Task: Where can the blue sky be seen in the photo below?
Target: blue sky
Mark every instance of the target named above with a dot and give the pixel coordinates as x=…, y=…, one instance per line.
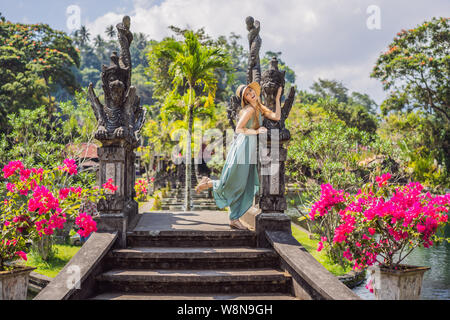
x=318, y=38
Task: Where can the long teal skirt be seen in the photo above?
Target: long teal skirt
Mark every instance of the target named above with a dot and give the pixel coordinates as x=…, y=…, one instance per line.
x=239, y=182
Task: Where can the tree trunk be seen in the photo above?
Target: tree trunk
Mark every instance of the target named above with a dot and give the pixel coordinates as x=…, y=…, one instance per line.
x=187, y=196
x=50, y=105
x=43, y=246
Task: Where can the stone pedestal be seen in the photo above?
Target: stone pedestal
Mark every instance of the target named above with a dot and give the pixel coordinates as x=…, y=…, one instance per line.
x=272, y=178
x=119, y=210
x=270, y=222
x=272, y=201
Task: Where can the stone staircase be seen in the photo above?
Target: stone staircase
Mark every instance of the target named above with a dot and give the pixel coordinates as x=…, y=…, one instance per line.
x=174, y=201
x=193, y=264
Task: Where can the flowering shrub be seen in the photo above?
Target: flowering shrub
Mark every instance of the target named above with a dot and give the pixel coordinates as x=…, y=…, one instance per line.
x=110, y=186
x=141, y=188
x=382, y=223
x=39, y=201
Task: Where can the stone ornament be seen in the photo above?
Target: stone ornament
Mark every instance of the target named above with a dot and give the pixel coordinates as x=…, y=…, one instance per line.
x=271, y=80
x=121, y=117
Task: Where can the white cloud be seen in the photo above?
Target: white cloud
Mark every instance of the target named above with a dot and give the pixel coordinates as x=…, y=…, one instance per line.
x=327, y=39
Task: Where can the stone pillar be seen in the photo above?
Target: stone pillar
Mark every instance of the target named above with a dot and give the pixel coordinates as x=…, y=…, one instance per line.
x=273, y=155
x=272, y=201
x=272, y=178
x=120, y=120
x=119, y=210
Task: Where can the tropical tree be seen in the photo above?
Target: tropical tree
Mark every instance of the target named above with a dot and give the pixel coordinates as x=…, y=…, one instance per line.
x=84, y=35
x=189, y=67
x=36, y=61
x=416, y=69
x=110, y=31
x=416, y=72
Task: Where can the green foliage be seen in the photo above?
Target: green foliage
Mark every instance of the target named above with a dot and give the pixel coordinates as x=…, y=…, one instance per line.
x=78, y=122
x=36, y=61
x=265, y=63
x=34, y=138
x=416, y=69
x=323, y=149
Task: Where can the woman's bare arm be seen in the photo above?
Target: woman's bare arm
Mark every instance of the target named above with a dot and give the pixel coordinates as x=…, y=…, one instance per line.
x=269, y=114
x=245, y=117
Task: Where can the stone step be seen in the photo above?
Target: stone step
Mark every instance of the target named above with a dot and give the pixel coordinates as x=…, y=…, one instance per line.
x=195, y=281
x=193, y=196
x=180, y=204
x=181, y=201
x=148, y=296
x=192, y=238
x=192, y=258
x=194, y=208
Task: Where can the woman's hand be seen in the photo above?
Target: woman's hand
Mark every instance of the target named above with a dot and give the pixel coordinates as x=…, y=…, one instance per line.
x=262, y=130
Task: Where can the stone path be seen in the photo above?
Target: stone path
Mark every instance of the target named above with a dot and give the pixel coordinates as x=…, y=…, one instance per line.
x=195, y=220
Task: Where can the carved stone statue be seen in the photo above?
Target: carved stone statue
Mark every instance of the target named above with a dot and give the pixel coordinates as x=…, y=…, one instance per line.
x=120, y=120
x=271, y=80
x=254, y=41
x=121, y=117
x=253, y=71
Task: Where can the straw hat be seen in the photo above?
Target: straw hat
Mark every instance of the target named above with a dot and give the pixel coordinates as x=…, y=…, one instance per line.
x=241, y=91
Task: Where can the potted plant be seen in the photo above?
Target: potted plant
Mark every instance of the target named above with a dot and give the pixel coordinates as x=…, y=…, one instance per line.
x=380, y=226
x=37, y=203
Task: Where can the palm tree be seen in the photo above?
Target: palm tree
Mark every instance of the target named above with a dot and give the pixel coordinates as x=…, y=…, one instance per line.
x=98, y=41
x=110, y=31
x=84, y=35
x=194, y=64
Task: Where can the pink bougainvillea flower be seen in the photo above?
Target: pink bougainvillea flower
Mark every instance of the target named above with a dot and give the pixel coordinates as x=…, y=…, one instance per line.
x=329, y=198
x=110, y=186
x=70, y=166
x=11, y=187
x=86, y=223
x=320, y=246
x=64, y=193
x=11, y=168
x=25, y=174
x=42, y=200
x=369, y=286
x=383, y=179
x=22, y=254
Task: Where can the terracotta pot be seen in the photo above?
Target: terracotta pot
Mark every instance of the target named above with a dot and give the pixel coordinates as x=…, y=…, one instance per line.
x=14, y=284
x=403, y=283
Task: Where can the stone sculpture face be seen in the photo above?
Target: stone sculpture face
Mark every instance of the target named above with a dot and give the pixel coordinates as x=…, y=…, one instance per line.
x=250, y=23
x=271, y=80
x=117, y=91
x=126, y=22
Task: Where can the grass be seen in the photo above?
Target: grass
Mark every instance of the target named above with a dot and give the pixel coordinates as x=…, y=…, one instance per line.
x=311, y=246
x=52, y=267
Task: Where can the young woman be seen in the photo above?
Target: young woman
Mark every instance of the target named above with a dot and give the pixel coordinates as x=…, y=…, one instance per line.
x=239, y=180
